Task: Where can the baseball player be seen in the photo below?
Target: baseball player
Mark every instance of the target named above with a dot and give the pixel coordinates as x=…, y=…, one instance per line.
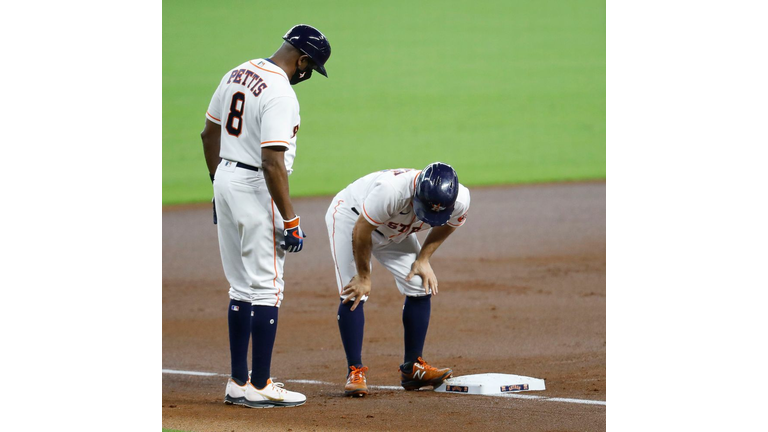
x=377, y=215
x=249, y=142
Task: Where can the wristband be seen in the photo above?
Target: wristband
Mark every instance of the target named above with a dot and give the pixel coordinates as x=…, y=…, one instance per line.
x=293, y=223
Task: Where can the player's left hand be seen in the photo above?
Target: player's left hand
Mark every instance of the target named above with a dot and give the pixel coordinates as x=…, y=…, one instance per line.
x=213, y=201
x=293, y=236
x=428, y=278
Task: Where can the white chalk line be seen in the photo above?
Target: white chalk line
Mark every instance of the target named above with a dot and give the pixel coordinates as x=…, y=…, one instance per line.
x=297, y=381
x=377, y=387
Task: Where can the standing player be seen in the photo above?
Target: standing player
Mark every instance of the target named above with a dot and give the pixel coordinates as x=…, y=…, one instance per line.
x=249, y=142
x=376, y=215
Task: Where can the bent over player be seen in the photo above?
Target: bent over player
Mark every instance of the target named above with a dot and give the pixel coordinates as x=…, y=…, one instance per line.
x=249, y=142
x=377, y=215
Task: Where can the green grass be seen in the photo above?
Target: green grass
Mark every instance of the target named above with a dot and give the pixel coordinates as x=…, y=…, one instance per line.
x=505, y=91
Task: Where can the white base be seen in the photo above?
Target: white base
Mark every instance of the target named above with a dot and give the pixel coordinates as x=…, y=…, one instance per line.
x=490, y=383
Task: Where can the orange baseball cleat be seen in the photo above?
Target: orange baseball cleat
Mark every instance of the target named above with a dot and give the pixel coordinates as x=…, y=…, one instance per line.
x=356, y=382
x=422, y=374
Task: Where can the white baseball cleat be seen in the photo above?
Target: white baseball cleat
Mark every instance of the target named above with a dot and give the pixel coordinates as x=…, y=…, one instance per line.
x=235, y=394
x=272, y=395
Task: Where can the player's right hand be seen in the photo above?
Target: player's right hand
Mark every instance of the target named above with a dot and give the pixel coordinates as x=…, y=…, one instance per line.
x=357, y=288
x=293, y=236
x=423, y=269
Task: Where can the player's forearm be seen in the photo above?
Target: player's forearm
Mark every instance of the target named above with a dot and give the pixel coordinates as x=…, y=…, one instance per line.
x=435, y=238
x=361, y=247
x=276, y=177
x=211, y=137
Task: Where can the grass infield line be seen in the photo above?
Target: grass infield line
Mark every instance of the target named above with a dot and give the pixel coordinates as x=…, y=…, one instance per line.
x=300, y=381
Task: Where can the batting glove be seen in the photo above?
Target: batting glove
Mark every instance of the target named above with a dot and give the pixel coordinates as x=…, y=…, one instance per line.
x=213, y=201
x=215, y=219
x=293, y=236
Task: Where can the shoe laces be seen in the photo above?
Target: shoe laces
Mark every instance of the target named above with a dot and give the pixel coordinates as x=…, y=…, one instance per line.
x=357, y=373
x=279, y=387
x=424, y=363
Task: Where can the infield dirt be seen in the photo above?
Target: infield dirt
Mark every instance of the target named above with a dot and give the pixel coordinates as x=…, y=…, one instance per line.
x=522, y=291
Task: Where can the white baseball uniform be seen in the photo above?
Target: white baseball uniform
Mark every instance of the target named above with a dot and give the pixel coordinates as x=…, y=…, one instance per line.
x=256, y=107
x=384, y=199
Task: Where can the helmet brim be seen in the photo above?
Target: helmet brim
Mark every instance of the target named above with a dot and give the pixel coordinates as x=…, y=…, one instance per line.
x=317, y=67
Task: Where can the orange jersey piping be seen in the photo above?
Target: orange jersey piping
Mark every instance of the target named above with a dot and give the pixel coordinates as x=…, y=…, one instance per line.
x=369, y=216
x=267, y=70
x=274, y=251
x=209, y=115
x=333, y=236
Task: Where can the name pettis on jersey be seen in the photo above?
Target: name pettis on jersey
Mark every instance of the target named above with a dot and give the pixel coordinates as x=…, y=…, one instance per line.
x=256, y=85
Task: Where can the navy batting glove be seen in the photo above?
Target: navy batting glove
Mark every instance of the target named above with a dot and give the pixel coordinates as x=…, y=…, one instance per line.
x=213, y=201
x=293, y=236
x=215, y=219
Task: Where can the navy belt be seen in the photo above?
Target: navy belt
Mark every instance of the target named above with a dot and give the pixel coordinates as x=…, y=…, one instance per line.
x=246, y=166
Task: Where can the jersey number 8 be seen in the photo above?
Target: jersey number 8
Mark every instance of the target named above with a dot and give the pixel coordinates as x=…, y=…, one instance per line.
x=235, y=117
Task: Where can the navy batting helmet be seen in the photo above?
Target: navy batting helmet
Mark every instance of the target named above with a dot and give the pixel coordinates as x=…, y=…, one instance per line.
x=311, y=42
x=435, y=196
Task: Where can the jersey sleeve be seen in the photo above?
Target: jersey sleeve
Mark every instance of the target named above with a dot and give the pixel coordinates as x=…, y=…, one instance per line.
x=380, y=204
x=214, y=108
x=280, y=117
x=459, y=215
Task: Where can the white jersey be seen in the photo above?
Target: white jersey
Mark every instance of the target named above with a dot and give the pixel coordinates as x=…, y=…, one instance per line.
x=256, y=107
x=384, y=198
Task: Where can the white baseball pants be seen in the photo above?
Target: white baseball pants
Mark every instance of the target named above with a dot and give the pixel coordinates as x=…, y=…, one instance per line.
x=395, y=257
x=250, y=230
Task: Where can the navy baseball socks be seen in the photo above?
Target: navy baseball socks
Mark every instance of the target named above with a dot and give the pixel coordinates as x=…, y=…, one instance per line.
x=415, y=372
x=260, y=322
x=416, y=313
x=239, y=318
x=351, y=328
x=263, y=330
